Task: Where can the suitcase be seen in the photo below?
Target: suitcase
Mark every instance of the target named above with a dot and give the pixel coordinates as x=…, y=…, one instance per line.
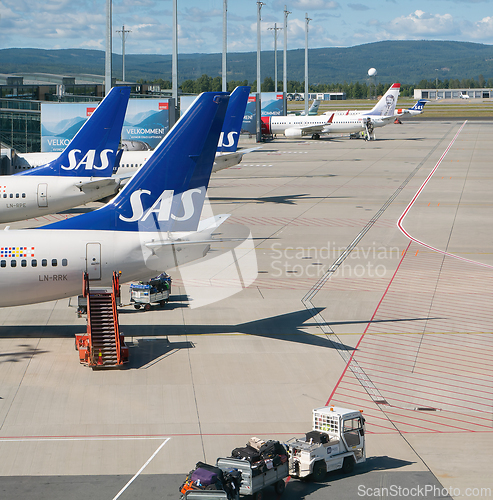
x=272, y=448
x=204, y=477
x=212, y=468
x=258, y=468
x=246, y=453
x=256, y=443
x=317, y=437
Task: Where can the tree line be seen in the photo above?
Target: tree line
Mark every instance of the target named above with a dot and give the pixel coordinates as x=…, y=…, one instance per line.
x=355, y=90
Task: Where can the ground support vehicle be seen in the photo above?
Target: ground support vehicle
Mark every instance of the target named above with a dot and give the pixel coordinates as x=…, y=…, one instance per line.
x=156, y=290
x=254, y=484
x=337, y=441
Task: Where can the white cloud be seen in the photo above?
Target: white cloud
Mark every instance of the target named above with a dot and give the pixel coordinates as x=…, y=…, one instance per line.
x=315, y=5
x=420, y=23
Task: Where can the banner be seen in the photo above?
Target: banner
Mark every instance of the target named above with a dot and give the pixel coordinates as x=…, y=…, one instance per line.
x=146, y=123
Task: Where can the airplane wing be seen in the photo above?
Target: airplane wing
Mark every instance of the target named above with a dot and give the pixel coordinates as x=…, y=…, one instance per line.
x=204, y=229
x=94, y=183
x=311, y=129
x=228, y=159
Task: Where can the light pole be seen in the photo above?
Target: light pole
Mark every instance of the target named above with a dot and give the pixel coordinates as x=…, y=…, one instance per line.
x=285, y=64
x=108, y=55
x=225, y=44
x=307, y=20
x=123, y=32
x=259, y=85
x=275, y=29
x=174, y=58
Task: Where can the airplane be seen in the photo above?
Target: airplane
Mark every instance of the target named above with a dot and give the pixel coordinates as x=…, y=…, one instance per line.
x=381, y=114
x=151, y=224
x=82, y=173
x=311, y=112
x=417, y=109
x=464, y=96
x=227, y=152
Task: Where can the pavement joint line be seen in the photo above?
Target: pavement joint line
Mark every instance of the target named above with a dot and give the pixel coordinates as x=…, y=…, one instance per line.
x=307, y=299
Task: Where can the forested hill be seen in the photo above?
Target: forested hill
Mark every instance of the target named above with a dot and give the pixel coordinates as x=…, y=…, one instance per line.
x=402, y=61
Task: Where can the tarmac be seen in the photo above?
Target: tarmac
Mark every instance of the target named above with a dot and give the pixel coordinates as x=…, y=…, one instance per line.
x=369, y=287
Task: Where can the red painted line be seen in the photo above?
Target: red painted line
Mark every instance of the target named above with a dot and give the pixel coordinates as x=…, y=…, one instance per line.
x=413, y=201
x=366, y=329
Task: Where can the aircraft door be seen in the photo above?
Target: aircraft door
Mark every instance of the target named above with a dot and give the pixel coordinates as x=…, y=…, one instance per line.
x=93, y=260
x=42, y=195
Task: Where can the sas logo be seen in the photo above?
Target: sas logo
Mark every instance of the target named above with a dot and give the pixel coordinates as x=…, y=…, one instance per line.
x=16, y=252
x=88, y=160
x=231, y=140
x=90, y=111
x=162, y=206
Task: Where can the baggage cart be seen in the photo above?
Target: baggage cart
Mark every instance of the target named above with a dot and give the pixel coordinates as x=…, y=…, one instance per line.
x=253, y=485
x=154, y=291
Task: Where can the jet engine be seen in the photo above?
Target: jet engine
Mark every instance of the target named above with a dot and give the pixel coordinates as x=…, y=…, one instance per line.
x=293, y=132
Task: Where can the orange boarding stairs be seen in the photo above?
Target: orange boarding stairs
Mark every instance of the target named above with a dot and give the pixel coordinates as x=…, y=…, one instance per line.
x=103, y=345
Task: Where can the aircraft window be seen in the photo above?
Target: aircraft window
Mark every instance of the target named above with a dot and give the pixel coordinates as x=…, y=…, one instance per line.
x=54, y=262
x=5, y=195
x=64, y=262
x=13, y=263
x=3, y=263
x=23, y=262
x=132, y=165
x=11, y=195
x=34, y=263
x=17, y=195
x=23, y=195
x=44, y=262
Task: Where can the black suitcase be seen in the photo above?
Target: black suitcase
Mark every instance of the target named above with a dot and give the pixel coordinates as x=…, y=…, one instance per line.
x=272, y=448
x=317, y=437
x=246, y=453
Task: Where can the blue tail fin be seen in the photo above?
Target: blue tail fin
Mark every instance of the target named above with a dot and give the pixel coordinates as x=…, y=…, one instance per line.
x=93, y=150
x=228, y=142
x=167, y=193
x=419, y=105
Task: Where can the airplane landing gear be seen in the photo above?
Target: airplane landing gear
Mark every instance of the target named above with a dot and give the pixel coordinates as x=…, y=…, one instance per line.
x=316, y=136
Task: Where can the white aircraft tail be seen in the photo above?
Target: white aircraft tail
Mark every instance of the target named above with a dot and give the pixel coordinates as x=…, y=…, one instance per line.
x=386, y=105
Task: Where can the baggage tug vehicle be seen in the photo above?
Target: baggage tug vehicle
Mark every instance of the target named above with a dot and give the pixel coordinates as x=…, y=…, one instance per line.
x=336, y=441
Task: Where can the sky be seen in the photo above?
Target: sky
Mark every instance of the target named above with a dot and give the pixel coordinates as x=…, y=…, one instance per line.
x=55, y=24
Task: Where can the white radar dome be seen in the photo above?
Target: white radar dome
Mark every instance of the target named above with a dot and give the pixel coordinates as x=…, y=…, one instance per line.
x=372, y=72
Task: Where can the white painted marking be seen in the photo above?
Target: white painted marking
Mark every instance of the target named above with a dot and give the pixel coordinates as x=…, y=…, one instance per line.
x=141, y=469
x=81, y=438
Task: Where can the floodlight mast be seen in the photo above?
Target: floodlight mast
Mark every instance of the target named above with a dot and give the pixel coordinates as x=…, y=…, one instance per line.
x=107, y=65
x=259, y=85
x=225, y=44
x=307, y=20
x=123, y=32
x=285, y=65
x=275, y=29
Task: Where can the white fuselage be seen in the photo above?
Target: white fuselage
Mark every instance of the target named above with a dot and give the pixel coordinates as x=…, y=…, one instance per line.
x=38, y=265
x=130, y=161
x=25, y=196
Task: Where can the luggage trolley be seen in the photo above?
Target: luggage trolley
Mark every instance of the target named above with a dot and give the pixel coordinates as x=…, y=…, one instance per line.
x=156, y=290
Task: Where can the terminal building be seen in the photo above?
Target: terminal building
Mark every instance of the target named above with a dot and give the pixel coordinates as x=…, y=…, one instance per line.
x=21, y=97
x=452, y=93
